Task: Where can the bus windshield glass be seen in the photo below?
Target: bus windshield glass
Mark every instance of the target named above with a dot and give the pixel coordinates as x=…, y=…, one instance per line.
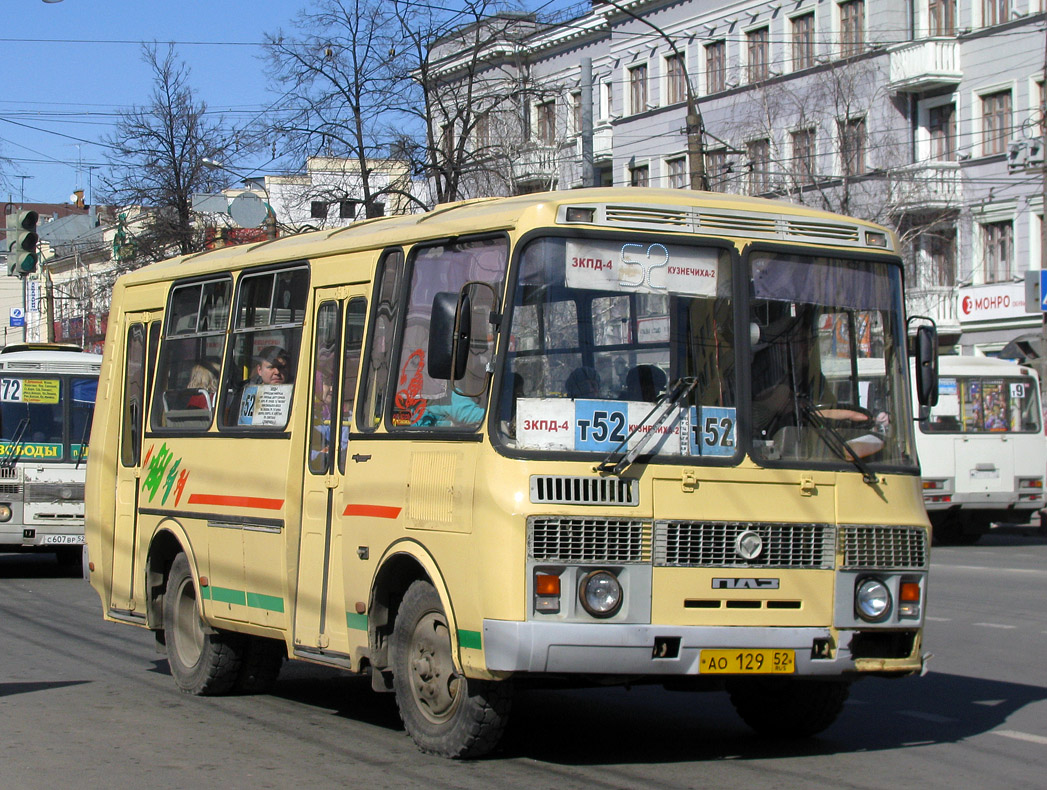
x=983, y=404
x=827, y=365
x=34, y=423
x=618, y=344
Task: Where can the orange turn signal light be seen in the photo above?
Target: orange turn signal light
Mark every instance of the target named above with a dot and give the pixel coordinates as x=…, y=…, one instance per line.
x=910, y=592
x=546, y=584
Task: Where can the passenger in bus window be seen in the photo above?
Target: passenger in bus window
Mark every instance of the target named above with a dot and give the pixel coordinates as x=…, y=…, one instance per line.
x=271, y=366
x=461, y=411
x=203, y=377
x=584, y=382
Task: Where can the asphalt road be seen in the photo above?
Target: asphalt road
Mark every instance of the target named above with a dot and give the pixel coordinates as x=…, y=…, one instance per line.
x=84, y=703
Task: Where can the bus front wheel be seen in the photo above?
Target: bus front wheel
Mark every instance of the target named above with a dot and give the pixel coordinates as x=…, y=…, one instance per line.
x=443, y=711
x=786, y=707
x=203, y=662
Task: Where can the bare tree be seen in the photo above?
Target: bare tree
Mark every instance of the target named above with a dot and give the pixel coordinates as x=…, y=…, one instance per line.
x=340, y=80
x=156, y=161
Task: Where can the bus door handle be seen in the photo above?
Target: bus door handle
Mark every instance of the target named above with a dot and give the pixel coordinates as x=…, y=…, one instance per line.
x=985, y=467
x=361, y=459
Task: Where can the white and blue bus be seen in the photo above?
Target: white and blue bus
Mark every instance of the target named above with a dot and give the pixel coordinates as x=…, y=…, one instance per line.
x=47, y=397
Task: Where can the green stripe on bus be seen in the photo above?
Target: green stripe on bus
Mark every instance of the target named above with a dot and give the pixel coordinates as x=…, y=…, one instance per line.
x=470, y=639
x=271, y=603
x=268, y=602
x=358, y=622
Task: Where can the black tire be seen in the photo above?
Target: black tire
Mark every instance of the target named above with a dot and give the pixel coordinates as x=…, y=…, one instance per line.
x=262, y=659
x=787, y=707
x=444, y=712
x=203, y=662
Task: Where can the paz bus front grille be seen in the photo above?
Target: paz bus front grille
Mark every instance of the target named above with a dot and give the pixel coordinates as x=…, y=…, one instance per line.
x=883, y=547
x=714, y=544
x=576, y=540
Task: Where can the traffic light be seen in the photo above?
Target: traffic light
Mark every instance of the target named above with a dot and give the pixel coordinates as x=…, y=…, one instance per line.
x=21, y=243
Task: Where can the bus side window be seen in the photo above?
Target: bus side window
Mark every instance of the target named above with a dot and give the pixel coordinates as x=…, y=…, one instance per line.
x=134, y=396
x=263, y=357
x=355, y=315
x=322, y=420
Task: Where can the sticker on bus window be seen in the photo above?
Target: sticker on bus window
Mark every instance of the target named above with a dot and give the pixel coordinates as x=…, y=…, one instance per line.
x=712, y=430
x=265, y=404
x=640, y=267
x=1017, y=389
x=29, y=390
x=38, y=451
x=592, y=425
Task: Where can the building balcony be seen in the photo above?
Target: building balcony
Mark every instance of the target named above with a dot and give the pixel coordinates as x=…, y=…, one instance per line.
x=918, y=66
x=536, y=163
x=929, y=186
x=936, y=302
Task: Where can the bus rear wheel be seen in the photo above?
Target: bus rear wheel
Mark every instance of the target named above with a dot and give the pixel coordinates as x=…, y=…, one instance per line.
x=203, y=662
x=787, y=707
x=443, y=711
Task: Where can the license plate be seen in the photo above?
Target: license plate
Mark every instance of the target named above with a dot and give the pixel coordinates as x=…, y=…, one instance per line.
x=748, y=662
x=63, y=540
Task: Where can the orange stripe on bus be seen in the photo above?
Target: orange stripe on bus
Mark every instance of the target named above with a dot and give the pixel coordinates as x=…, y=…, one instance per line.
x=375, y=511
x=255, y=502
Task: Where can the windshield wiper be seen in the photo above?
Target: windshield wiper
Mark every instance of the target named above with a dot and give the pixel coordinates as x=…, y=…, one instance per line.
x=17, y=444
x=83, y=444
x=835, y=442
x=616, y=461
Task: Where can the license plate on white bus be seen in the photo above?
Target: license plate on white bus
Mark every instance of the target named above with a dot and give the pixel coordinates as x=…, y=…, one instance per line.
x=63, y=540
x=748, y=662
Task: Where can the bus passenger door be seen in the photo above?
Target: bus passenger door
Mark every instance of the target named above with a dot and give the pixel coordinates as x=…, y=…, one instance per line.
x=140, y=353
x=320, y=609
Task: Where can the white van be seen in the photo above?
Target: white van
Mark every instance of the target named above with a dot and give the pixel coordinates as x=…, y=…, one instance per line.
x=982, y=449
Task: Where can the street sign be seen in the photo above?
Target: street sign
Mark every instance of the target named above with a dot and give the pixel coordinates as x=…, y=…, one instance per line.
x=17, y=316
x=1043, y=293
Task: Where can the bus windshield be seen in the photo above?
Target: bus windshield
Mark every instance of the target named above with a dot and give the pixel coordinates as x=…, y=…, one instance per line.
x=34, y=424
x=982, y=404
x=605, y=332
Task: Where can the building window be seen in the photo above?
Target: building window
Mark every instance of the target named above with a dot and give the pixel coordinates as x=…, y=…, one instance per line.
x=942, y=17
x=995, y=12
x=941, y=125
x=576, y=113
x=447, y=141
x=852, y=27
x=607, y=100
x=803, y=41
x=998, y=249
x=639, y=176
x=716, y=169
x=638, y=88
x=545, y=122
x=758, y=54
x=941, y=256
x=678, y=175
x=1041, y=89
x=803, y=156
x=346, y=209
x=675, y=80
x=759, y=152
x=716, y=67
x=318, y=209
x=482, y=132
x=852, y=146
x=996, y=122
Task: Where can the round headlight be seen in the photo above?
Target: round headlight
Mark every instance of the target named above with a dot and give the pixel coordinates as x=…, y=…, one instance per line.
x=5, y=512
x=872, y=600
x=601, y=593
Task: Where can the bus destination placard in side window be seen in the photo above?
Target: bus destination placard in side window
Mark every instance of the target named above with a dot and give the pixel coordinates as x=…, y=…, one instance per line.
x=14, y=390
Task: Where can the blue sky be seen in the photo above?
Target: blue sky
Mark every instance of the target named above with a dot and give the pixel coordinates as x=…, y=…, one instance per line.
x=67, y=70
x=70, y=66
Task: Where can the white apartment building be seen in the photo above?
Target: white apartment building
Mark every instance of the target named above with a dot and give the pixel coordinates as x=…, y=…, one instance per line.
x=924, y=115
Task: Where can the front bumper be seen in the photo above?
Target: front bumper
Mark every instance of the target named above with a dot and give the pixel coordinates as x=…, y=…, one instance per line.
x=629, y=649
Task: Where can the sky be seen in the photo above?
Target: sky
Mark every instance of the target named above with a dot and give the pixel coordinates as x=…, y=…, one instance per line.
x=68, y=67
x=71, y=66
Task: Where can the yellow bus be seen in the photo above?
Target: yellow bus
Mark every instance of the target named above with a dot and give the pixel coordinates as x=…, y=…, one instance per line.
x=575, y=437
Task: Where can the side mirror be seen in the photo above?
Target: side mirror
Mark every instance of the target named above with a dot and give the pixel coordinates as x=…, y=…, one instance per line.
x=927, y=366
x=449, y=333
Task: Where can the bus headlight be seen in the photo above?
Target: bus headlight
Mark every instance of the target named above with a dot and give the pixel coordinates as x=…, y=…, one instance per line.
x=872, y=600
x=5, y=513
x=600, y=593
